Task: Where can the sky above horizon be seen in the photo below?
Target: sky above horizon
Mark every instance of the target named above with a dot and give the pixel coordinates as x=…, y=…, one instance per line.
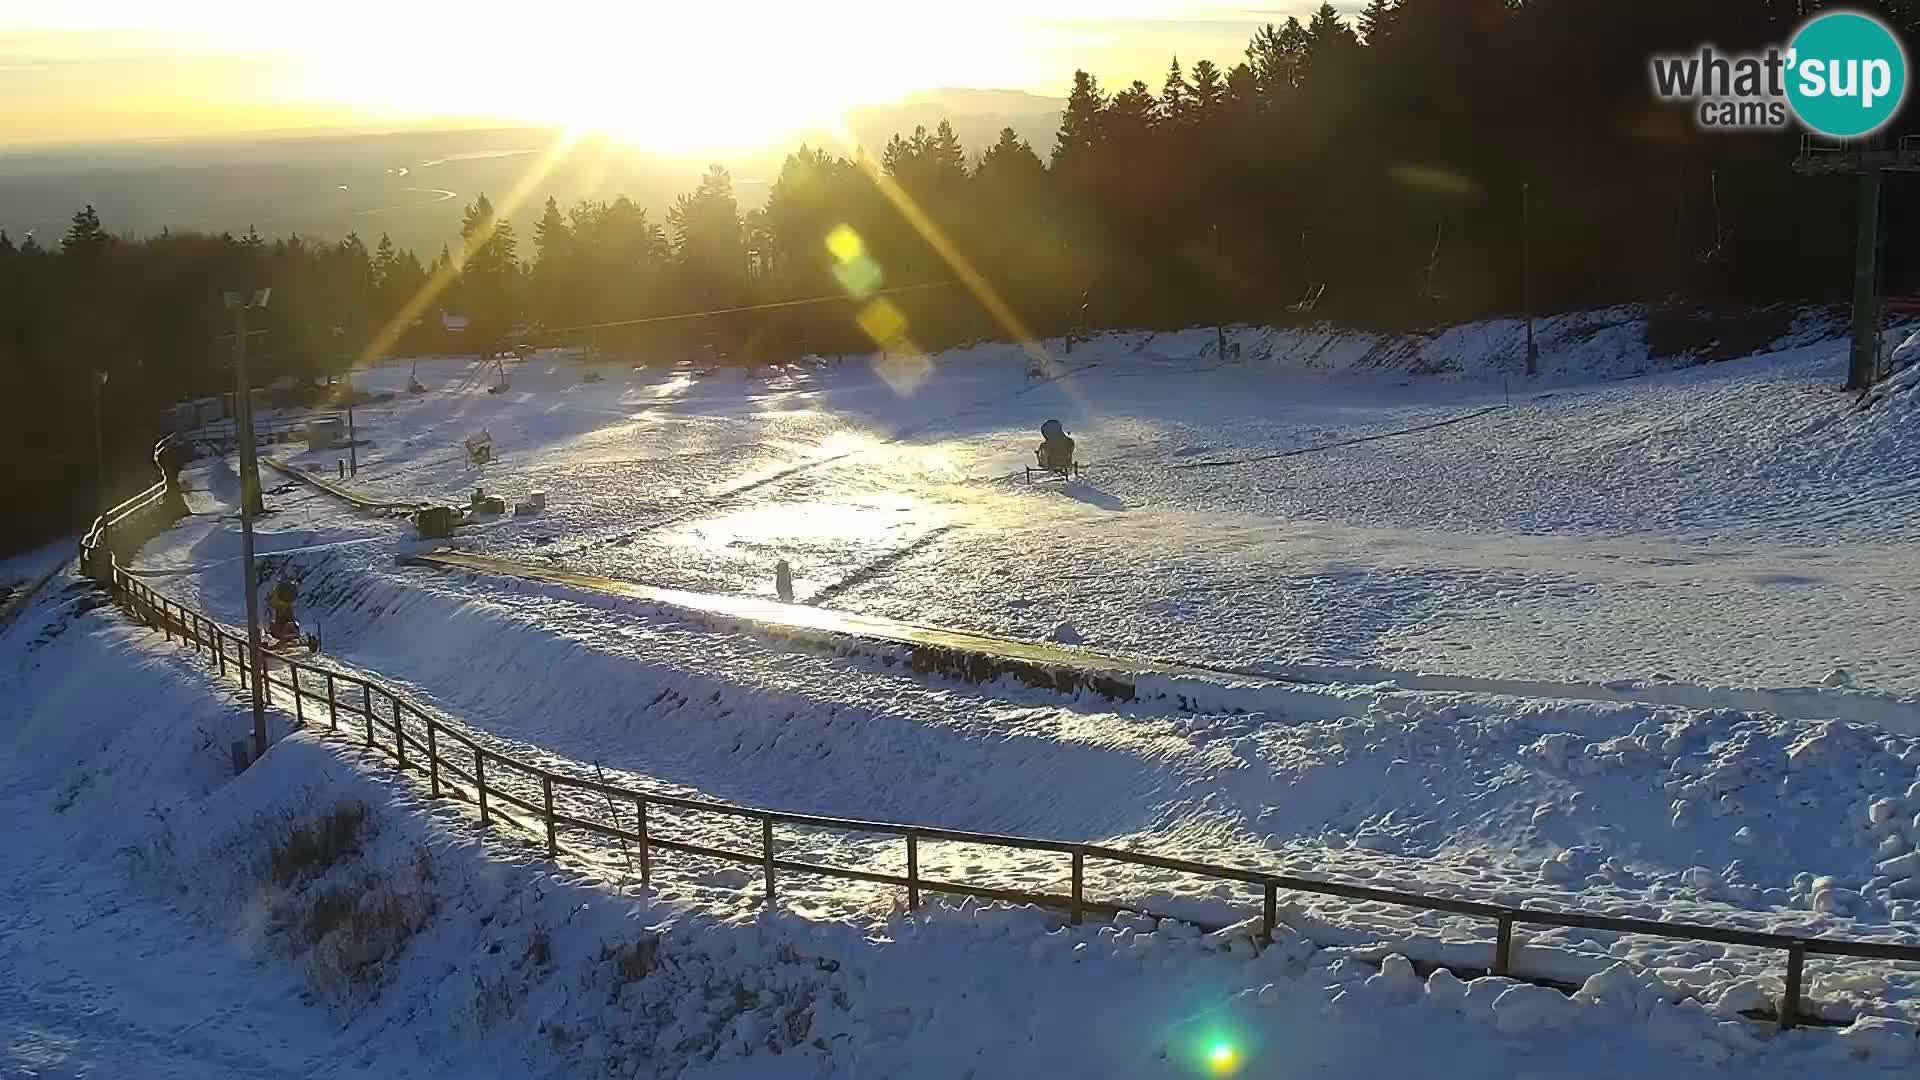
x=727, y=75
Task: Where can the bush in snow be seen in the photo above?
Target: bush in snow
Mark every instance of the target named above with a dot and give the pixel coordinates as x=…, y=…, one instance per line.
x=346, y=917
x=314, y=846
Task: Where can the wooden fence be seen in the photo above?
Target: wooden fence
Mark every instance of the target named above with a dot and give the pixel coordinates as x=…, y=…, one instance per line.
x=358, y=708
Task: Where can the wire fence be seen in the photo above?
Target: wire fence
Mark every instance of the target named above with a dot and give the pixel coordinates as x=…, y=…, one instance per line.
x=536, y=800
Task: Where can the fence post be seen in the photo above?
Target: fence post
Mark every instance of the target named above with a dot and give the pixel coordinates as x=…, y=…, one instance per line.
x=646, y=863
x=1079, y=873
x=546, y=791
x=480, y=781
x=399, y=733
x=366, y=699
x=333, y=706
x=1789, y=1012
x=433, y=761
x=220, y=653
x=913, y=872
x=1503, y=946
x=299, y=707
x=1270, y=912
x=166, y=621
x=766, y=845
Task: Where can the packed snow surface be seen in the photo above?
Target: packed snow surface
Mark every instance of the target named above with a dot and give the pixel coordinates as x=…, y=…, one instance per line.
x=1741, y=523
x=1630, y=645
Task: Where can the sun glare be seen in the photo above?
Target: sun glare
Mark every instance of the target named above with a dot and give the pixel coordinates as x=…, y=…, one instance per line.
x=722, y=78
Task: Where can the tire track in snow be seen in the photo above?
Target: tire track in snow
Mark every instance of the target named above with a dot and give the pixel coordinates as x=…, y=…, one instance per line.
x=1297, y=451
x=727, y=496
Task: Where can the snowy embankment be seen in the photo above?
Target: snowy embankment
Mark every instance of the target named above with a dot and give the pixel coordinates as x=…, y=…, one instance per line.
x=316, y=916
x=23, y=575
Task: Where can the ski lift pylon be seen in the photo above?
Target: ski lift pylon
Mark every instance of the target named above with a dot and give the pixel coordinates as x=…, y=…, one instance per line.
x=1718, y=252
x=1315, y=289
x=1427, y=289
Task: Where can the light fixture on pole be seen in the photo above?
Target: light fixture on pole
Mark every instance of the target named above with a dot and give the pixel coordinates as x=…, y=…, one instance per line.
x=240, y=303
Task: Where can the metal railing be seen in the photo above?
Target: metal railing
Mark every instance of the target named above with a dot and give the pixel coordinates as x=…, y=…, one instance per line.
x=222, y=436
x=379, y=718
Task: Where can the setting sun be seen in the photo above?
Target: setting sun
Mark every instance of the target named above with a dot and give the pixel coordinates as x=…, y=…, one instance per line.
x=637, y=79
x=716, y=78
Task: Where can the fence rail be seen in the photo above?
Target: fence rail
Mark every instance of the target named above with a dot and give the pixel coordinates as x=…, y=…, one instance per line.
x=322, y=694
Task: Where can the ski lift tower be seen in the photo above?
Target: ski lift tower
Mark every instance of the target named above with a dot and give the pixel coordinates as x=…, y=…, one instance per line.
x=1869, y=158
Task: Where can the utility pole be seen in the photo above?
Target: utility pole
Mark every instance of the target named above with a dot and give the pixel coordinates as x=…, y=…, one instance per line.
x=1526, y=274
x=1864, y=365
x=1869, y=157
x=99, y=442
x=353, y=442
x=1220, y=325
x=239, y=304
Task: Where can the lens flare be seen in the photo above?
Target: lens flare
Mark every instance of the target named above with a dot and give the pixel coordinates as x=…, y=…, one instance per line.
x=860, y=277
x=845, y=243
x=886, y=324
x=1222, y=1058
x=1432, y=180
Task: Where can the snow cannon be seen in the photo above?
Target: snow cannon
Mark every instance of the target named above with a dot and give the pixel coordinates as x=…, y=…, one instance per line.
x=282, y=626
x=1054, y=456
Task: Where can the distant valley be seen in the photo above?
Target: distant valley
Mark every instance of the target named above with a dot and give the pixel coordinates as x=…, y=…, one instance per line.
x=413, y=185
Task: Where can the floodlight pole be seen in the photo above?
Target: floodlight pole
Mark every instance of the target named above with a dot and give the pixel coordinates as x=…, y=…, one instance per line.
x=239, y=303
x=1220, y=307
x=99, y=442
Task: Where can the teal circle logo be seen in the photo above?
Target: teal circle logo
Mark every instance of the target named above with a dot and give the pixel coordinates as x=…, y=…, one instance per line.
x=1847, y=74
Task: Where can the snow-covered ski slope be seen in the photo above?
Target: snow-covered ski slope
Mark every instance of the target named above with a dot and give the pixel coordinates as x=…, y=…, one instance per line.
x=889, y=490
x=1739, y=523
x=1686, y=539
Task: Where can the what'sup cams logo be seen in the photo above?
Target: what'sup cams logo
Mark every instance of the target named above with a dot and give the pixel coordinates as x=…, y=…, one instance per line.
x=1843, y=75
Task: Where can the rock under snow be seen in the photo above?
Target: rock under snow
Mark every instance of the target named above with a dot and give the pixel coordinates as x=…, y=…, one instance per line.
x=1882, y=1039
x=1903, y=866
x=1527, y=1007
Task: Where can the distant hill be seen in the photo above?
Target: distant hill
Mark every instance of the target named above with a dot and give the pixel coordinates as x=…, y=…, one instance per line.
x=413, y=184
x=977, y=117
